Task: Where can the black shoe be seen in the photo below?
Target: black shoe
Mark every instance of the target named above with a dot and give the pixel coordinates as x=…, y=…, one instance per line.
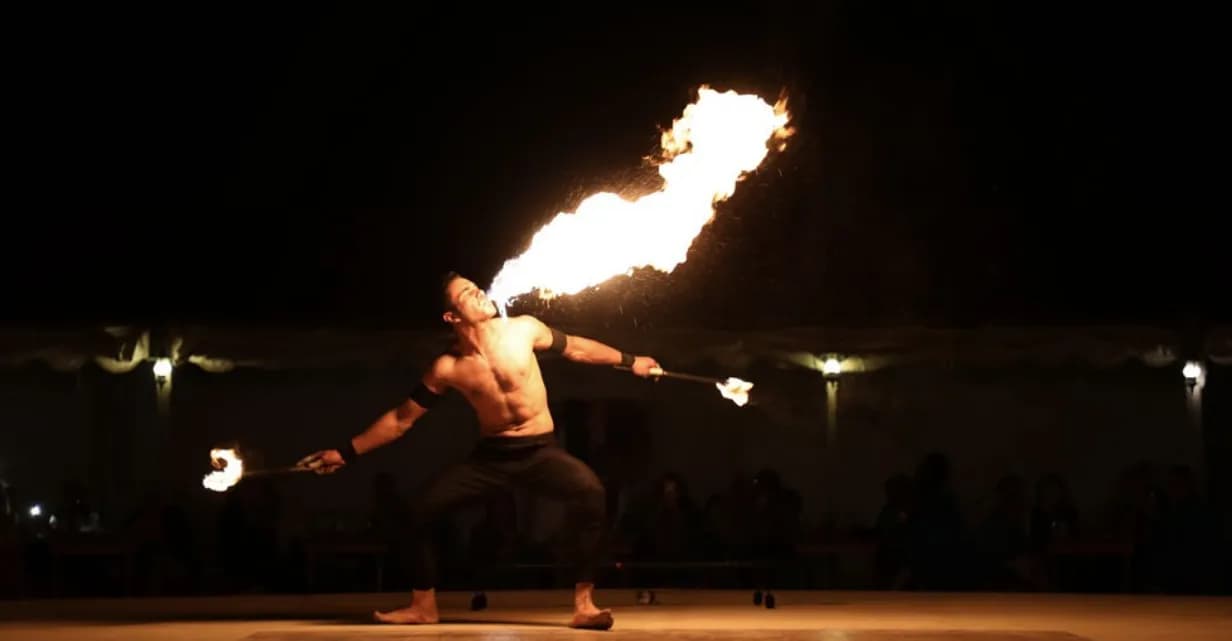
x=770, y=601
x=479, y=601
x=757, y=597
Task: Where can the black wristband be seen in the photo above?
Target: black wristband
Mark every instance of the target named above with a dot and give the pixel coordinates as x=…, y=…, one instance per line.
x=626, y=359
x=559, y=341
x=348, y=452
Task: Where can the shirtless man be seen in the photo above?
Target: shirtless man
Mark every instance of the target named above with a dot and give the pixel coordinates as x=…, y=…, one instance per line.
x=493, y=365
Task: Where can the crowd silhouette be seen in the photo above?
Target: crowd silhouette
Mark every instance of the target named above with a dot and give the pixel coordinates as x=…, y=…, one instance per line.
x=1156, y=533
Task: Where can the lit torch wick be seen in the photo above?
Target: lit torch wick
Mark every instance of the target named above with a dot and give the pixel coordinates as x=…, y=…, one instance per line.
x=735, y=390
x=732, y=389
x=228, y=475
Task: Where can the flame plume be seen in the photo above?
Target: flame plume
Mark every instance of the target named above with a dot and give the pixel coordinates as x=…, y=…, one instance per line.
x=717, y=140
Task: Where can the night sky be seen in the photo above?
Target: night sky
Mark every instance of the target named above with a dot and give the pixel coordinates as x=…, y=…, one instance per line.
x=954, y=164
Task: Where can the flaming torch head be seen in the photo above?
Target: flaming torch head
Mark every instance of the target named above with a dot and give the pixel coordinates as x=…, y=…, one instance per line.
x=232, y=469
x=735, y=390
x=709, y=149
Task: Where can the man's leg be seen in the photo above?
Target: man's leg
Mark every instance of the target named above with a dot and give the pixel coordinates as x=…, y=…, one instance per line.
x=554, y=472
x=458, y=485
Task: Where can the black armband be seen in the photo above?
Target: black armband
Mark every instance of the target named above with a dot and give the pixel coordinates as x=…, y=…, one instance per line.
x=347, y=450
x=558, y=341
x=424, y=396
x=626, y=359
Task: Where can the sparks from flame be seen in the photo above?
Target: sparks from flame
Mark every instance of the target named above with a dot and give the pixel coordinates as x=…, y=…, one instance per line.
x=735, y=390
x=709, y=149
x=229, y=475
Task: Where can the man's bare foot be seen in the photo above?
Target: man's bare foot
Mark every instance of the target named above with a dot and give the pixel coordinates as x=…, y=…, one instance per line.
x=408, y=615
x=595, y=619
x=585, y=614
x=421, y=610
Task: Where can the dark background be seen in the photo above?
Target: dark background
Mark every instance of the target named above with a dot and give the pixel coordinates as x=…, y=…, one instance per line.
x=956, y=163
x=271, y=168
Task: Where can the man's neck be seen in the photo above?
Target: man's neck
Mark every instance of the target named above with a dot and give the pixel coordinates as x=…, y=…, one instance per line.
x=472, y=337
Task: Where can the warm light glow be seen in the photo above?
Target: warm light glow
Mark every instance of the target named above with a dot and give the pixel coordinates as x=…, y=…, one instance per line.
x=709, y=149
x=162, y=368
x=229, y=475
x=36, y=510
x=1192, y=371
x=735, y=390
x=831, y=367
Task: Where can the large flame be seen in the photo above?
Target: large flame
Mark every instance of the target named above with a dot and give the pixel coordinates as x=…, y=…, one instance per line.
x=229, y=475
x=719, y=138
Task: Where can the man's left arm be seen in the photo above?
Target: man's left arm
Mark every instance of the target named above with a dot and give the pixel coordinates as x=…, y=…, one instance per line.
x=580, y=349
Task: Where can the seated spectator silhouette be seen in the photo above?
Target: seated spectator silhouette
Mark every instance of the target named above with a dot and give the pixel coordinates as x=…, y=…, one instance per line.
x=775, y=516
x=1188, y=537
x=1054, y=519
x=936, y=559
x=892, y=531
x=671, y=529
x=1003, y=539
x=725, y=522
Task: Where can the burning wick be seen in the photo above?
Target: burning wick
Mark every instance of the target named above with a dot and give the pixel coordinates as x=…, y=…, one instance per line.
x=735, y=390
x=732, y=389
x=232, y=469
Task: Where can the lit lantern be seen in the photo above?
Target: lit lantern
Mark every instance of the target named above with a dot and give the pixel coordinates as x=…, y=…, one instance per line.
x=162, y=370
x=831, y=368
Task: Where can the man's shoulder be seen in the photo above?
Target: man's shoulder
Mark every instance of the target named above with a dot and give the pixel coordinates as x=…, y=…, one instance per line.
x=445, y=359
x=527, y=320
x=440, y=369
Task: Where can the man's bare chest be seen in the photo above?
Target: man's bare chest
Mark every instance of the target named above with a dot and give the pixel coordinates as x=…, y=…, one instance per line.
x=499, y=368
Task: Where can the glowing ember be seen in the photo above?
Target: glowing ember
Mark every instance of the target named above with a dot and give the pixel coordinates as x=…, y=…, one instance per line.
x=719, y=138
x=229, y=475
x=736, y=390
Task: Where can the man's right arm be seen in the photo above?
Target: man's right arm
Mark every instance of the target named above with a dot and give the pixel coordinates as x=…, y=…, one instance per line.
x=393, y=424
x=387, y=428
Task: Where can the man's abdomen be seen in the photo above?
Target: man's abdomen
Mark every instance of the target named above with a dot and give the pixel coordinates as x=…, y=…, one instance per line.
x=540, y=423
x=520, y=411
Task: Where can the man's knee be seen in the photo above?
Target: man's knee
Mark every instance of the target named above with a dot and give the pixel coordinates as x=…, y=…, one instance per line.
x=592, y=496
x=424, y=514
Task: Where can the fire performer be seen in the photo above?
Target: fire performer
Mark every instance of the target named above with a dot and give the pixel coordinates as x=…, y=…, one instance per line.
x=493, y=365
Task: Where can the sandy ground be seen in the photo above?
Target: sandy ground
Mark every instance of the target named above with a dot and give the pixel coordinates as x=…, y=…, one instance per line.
x=683, y=615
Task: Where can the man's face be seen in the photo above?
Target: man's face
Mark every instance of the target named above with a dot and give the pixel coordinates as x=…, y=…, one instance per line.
x=470, y=303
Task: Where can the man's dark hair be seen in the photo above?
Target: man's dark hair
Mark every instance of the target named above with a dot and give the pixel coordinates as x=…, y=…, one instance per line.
x=446, y=303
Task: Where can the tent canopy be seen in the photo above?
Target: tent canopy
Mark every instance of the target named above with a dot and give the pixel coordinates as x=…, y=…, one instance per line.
x=121, y=349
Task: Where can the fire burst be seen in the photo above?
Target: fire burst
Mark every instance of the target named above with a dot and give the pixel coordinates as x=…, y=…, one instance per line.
x=229, y=475
x=709, y=149
x=735, y=390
